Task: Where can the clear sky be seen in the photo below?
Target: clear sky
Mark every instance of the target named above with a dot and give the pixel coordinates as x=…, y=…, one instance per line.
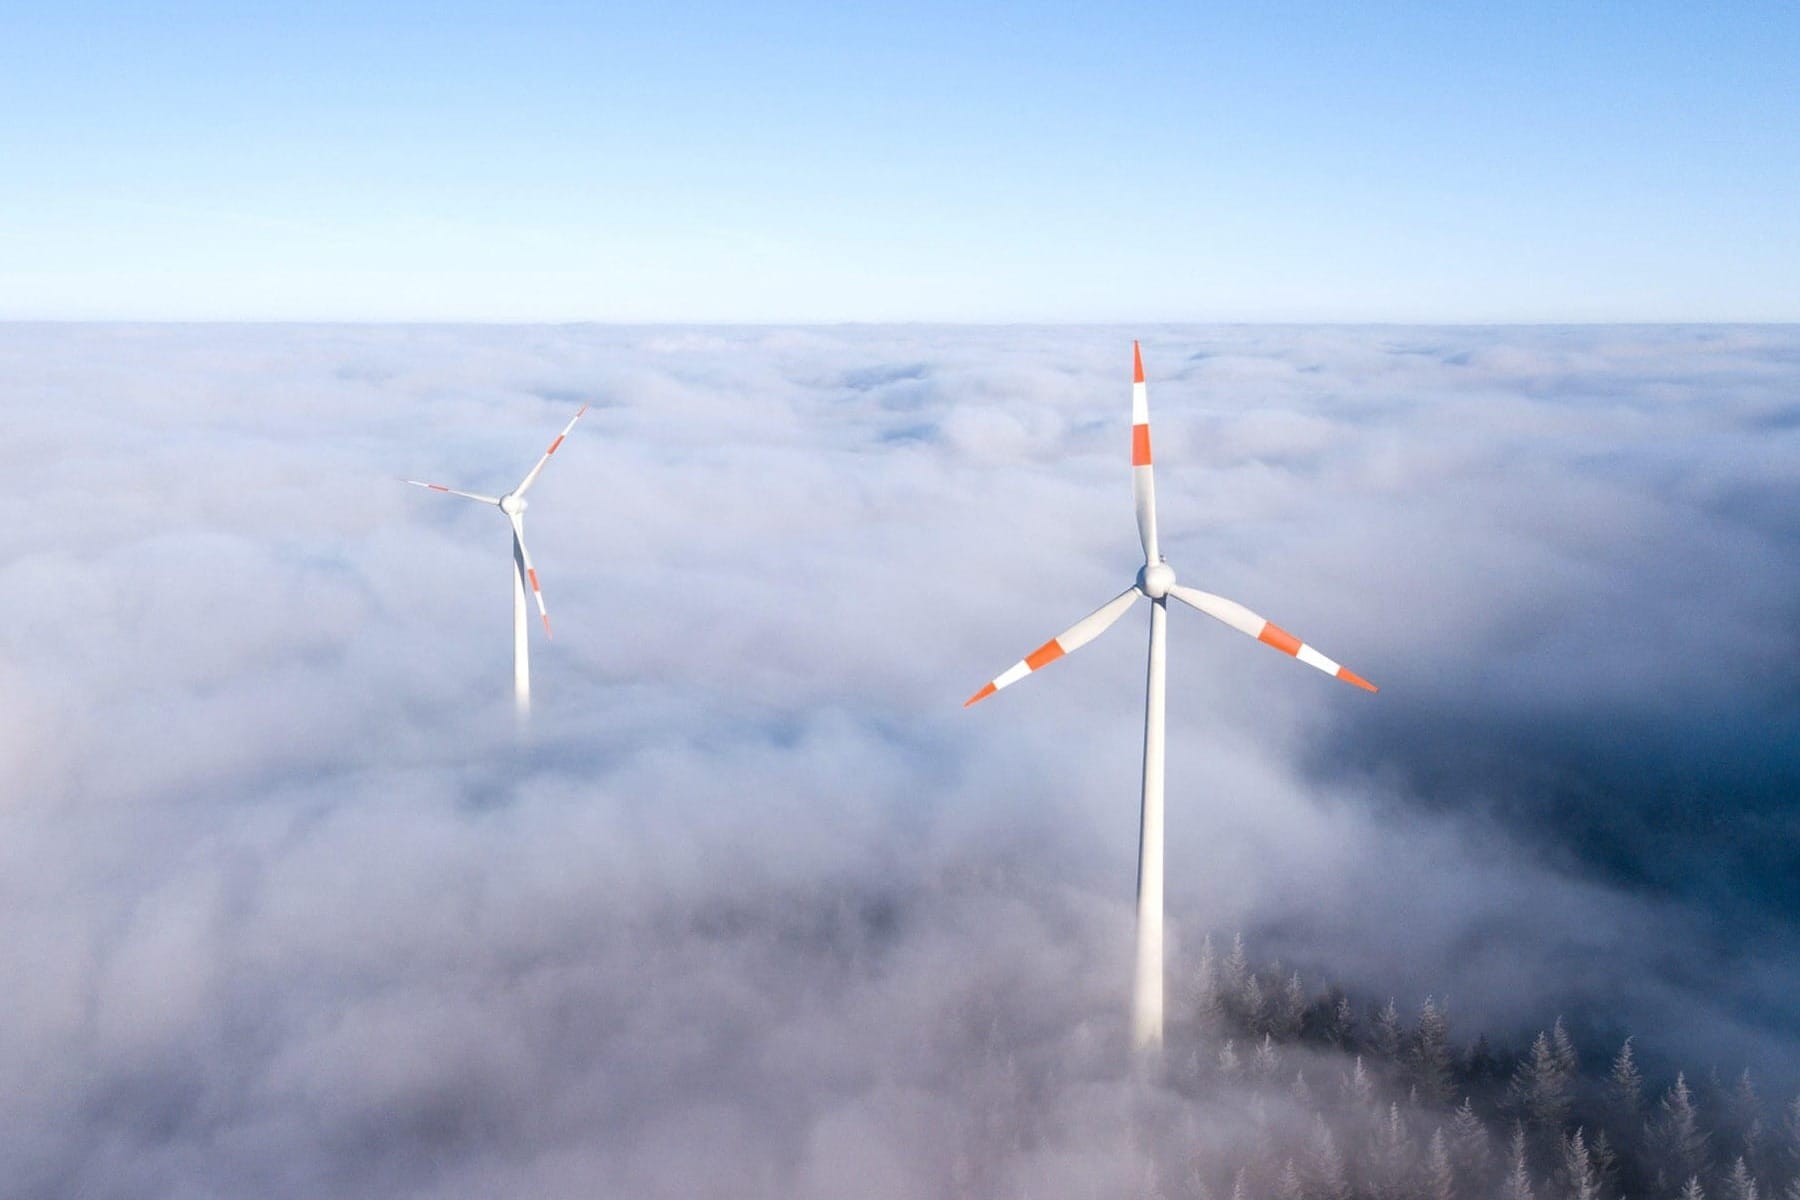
x=926, y=161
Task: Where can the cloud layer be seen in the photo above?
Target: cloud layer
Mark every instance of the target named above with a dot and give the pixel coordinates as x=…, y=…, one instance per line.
x=757, y=909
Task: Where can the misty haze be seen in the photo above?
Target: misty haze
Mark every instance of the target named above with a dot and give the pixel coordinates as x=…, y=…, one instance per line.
x=757, y=909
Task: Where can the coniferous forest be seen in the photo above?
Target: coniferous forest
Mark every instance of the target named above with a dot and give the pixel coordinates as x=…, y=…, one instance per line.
x=1347, y=1100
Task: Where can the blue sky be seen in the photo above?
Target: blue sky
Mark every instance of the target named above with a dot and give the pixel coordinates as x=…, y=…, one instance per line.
x=801, y=162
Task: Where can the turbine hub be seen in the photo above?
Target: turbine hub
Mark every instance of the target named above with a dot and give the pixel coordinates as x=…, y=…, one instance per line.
x=512, y=505
x=1155, y=579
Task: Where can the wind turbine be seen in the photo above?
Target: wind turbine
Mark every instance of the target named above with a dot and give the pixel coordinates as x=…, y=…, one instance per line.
x=1156, y=580
x=513, y=505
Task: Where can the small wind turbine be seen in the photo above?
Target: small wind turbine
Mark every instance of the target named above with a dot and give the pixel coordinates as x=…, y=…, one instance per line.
x=1156, y=579
x=513, y=505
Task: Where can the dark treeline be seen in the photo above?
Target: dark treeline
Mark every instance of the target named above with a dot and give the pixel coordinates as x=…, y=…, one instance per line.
x=1345, y=1101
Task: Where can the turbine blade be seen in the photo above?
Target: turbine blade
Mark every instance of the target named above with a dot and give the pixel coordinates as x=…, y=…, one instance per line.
x=438, y=487
x=1067, y=642
x=1265, y=631
x=1143, y=478
x=531, y=477
x=529, y=571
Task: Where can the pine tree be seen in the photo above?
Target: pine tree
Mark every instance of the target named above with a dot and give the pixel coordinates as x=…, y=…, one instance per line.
x=1253, y=1006
x=1359, y=1089
x=1290, y=1009
x=1391, y=1157
x=1679, y=1141
x=1229, y=1066
x=1430, y=1057
x=1301, y=1091
x=1386, y=1037
x=1470, y=1147
x=1606, y=1162
x=1206, y=984
x=1266, y=1062
x=1287, y=1184
x=1691, y=1190
x=1440, y=1172
x=1567, y=1061
x=1518, y=1179
x=1540, y=1089
x=1740, y=1184
x=1330, y=1178
x=1625, y=1087
x=1342, y=1030
x=1583, y=1181
x=1481, y=1066
x=1790, y=1139
x=1743, y=1115
x=1235, y=973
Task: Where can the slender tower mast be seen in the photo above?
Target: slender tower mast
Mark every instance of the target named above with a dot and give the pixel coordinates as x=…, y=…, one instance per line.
x=1155, y=581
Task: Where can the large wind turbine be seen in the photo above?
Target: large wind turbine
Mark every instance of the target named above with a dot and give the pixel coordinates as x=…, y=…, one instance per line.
x=513, y=505
x=1156, y=580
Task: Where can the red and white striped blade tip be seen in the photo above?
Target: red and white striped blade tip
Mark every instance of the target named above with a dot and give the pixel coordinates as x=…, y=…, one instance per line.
x=1137, y=363
x=1274, y=635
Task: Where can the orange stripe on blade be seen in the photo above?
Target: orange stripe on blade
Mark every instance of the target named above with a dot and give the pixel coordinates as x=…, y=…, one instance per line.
x=1140, y=445
x=437, y=487
x=1137, y=363
x=983, y=694
x=1045, y=654
x=1349, y=676
x=534, y=584
x=1279, y=638
x=555, y=444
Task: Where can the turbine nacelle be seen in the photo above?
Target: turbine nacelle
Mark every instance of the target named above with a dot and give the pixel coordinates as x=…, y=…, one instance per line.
x=512, y=504
x=1155, y=579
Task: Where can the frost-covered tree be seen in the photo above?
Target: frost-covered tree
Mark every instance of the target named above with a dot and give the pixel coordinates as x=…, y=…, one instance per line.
x=1471, y=1148
x=1328, y=1178
x=1740, y=1184
x=1786, y=1153
x=1229, y=1065
x=1743, y=1117
x=1206, y=998
x=1567, y=1061
x=1580, y=1178
x=1691, y=1190
x=1440, y=1170
x=1340, y=1030
x=1541, y=1087
x=1606, y=1162
x=1359, y=1089
x=1287, y=1184
x=1265, y=1063
x=1386, y=1037
x=1391, y=1157
x=1429, y=1060
x=1625, y=1087
x=1518, y=1178
x=1235, y=972
x=1253, y=1006
x=1677, y=1139
x=1301, y=1091
x=1289, y=1009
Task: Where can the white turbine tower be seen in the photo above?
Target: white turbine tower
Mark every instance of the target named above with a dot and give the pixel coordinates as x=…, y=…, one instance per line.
x=513, y=505
x=1155, y=580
